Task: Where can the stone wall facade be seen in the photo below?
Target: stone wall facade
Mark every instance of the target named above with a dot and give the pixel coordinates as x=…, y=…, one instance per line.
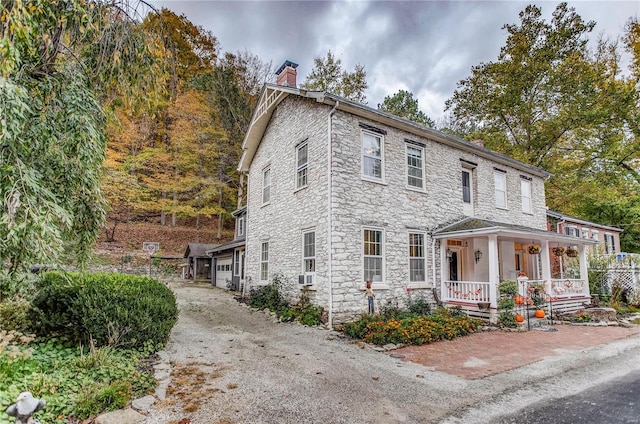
x=358, y=204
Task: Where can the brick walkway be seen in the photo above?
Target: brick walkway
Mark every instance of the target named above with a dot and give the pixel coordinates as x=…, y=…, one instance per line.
x=491, y=352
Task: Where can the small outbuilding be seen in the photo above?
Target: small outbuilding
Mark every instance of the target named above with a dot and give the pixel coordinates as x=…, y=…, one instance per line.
x=199, y=264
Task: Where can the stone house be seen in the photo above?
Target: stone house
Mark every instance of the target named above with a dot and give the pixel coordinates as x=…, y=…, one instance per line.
x=339, y=193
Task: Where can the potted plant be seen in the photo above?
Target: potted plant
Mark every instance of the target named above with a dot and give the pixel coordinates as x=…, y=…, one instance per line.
x=571, y=252
x=534, y=249
x=558, y=251
x=538, y=300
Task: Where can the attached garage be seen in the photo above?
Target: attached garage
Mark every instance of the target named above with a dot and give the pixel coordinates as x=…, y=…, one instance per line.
x=224, y=271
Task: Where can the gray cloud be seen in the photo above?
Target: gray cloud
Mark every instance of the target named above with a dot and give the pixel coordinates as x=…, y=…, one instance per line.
x=425, y=47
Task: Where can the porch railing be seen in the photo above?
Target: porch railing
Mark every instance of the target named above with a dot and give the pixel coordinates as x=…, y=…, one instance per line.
x=479, y=291
x=466, y=291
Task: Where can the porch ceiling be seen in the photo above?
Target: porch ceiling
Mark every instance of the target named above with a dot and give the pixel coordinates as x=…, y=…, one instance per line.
x=474, y=227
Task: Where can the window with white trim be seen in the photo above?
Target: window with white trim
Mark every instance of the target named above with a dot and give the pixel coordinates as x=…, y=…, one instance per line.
x=302, y=165
x=309, y=251
x=415, y=167
x=500, y=181
x=416, y=258
x=264, y=261
x=571, y=230
x=525, y=190
x=466, y=186
x=585, y=233
x=266, y=186
x=236, y=263
x=372, y=156
x=609, y=244
x=373, y=263
x=595, y=235
x=240, y=226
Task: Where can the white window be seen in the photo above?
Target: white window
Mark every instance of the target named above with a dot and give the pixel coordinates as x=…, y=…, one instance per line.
x=500, y=179
x=240, y=226
x=302, y=165
x=416, y=258
x=236, y=263
x=585, y=233
x=609, y=244
x=525, y=188
x=309, y=251
x=571, y=230
x=264, y=261
x=595, y=235
x=373, y=255
x=266, y=186
x=415, y=167
x=466, y=186
x=372, y=156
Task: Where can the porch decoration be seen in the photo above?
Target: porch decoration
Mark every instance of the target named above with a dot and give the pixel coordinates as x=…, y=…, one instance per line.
x=534, y=249
x=538, y=299
x=519, y=318
x=558, y=251
x=571, y=252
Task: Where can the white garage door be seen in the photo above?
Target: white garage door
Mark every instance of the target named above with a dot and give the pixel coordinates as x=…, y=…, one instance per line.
x=223, y=271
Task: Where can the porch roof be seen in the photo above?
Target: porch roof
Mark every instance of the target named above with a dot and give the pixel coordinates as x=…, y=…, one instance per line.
x=223, y=248
x=473, y=227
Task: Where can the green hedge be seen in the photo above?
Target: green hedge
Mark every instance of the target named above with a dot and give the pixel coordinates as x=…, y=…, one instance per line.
x=111, y=309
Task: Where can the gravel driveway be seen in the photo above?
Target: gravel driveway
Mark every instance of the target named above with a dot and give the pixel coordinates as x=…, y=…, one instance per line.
x=231, y=364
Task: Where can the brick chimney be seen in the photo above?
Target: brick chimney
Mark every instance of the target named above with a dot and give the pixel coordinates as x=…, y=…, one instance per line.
x=287, y=74
x=479, y=143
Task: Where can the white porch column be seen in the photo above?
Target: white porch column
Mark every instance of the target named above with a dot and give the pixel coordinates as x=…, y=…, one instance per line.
x=546, y=261
x=444, y=293
x=584, y=271
x=494, y=270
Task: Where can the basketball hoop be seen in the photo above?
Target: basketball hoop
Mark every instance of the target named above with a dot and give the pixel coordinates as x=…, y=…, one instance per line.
x=150, y=247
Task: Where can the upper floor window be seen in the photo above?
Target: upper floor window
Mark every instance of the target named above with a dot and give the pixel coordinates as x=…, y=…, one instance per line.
x=266, y=185
x=302, y=165
x=240, y=226
x=585, y=233
x=415, y=166
x=571, y=231
x=500, y=180
x=264, y=261
x=372, y=245
x=466, y=186
x=309, y=251
x=416, y=258
x=372, y=156
x=595, y=235
x=525, y=189
x=609, y=244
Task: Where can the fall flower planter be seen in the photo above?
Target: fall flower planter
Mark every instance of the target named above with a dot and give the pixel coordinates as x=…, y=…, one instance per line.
x=533, y=249
x=558, y=251
x=571, y=252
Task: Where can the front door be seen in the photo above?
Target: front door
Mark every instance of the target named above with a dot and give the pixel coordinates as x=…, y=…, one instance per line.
x=454, y=265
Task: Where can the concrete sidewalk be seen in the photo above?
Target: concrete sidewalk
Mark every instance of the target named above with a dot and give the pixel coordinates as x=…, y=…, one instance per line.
x=491, y=352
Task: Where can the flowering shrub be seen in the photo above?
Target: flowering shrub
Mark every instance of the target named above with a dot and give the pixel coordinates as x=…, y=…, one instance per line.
x=441, y=325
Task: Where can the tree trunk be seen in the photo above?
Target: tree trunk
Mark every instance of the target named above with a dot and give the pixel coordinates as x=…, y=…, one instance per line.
x=163, y=214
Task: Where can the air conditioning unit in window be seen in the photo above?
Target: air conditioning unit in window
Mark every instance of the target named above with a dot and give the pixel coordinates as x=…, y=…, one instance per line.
x=307, y=279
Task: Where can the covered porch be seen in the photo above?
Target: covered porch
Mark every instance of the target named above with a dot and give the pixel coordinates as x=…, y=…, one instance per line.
x=476, y=255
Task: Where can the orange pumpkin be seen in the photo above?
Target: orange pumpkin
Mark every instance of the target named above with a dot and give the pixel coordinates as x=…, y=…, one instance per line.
x=539, y=313
x=519, y=300
x=519, y=318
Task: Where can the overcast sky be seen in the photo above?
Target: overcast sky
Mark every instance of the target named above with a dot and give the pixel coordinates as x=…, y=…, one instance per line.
x=424, y=47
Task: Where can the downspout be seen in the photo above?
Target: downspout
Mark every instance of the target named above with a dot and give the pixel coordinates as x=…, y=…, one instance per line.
x=329, y=213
